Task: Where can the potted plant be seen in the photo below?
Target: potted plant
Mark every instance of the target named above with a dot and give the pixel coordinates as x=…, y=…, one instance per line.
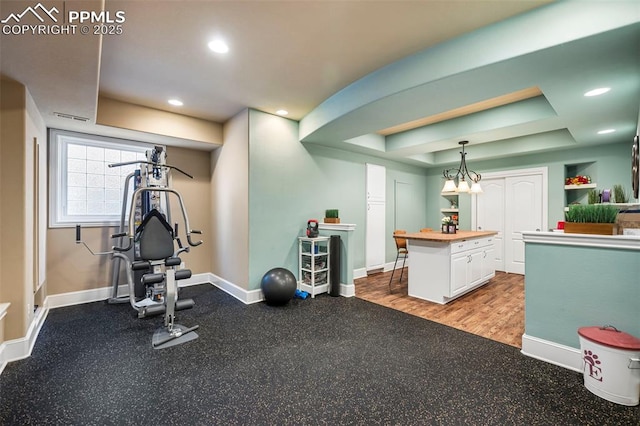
x=591, y=219
x=448, y=225
x=331, y=216
x=619, y=194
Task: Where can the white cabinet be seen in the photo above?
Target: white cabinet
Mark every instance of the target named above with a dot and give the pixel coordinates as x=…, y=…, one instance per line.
x=375, y=250
x=471, y=265
x=376, y=183
x=313, y=268
x=375, y=233
x=439, y=271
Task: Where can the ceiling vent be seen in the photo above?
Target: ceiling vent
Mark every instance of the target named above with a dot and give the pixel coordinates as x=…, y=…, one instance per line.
x=70, y=117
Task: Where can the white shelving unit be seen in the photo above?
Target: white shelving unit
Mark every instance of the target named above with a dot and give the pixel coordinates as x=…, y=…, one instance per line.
x=451, y=198
x=313, y=268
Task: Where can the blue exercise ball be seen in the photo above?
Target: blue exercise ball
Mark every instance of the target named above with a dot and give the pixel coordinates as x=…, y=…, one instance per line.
x=278, y=286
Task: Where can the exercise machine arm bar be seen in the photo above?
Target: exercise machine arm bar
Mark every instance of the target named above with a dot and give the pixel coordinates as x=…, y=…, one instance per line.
x=126, y=163
x=79, y=241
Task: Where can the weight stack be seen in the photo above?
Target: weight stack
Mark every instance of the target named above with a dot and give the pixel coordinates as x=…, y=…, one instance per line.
x=334, y=267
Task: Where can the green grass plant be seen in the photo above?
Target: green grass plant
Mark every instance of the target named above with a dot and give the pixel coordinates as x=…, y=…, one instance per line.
x=619, y=194
x=591, y=213
x=332, y=213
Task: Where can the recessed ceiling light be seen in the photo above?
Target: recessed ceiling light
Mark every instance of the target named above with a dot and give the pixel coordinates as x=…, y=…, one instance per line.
x=605, y=131
x=218, y=46
x=282, y=112
x=175, y=102
x=599, y=91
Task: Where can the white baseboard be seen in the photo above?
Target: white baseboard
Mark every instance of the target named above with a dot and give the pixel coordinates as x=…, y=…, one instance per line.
x=245, y=296
x=254, y=296
x=362, y=272
x=104, y=293
x=551, y=352
x=347, y=290
x=13, y=350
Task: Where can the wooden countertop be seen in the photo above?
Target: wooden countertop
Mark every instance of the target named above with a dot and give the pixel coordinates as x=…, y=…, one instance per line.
x=446, y=238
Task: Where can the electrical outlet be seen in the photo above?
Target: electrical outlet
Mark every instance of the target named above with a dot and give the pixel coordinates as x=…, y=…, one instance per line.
x=183, y=265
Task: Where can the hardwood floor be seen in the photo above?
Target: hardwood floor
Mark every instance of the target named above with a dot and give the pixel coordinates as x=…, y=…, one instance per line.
x=494, y=311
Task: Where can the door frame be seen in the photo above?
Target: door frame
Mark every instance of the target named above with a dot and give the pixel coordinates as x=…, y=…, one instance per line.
x=543, y=171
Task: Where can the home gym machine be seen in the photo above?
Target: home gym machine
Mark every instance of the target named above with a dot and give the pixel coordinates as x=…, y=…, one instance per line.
x=146, y=245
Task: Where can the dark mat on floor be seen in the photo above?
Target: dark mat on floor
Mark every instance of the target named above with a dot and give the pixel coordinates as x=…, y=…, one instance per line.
x=323, y=361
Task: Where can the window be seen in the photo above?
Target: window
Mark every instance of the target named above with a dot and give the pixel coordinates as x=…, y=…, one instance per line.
x=83, y=188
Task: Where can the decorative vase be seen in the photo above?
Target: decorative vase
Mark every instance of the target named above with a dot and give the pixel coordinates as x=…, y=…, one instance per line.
x=331, y=220
x=590, y=228
x=452, y=229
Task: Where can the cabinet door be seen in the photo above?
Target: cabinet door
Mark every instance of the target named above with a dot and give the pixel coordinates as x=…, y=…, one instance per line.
x=459, y=273
x=375, y=235
x=376, y=183
x=488, y=264
x=475, y=267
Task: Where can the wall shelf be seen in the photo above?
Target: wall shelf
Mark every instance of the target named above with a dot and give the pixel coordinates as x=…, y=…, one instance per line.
x=583, y=186
x=620, y=206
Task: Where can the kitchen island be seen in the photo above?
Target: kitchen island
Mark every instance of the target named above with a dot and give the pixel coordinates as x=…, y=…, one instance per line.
x=445, y=266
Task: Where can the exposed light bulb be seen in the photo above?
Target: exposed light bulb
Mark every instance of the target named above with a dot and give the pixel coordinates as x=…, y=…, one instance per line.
x=175, y=102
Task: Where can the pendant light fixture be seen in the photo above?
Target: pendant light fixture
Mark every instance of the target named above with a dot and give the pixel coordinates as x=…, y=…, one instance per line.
x=463, y=175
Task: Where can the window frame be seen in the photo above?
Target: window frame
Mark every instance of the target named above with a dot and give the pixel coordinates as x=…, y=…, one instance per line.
x=58, y=189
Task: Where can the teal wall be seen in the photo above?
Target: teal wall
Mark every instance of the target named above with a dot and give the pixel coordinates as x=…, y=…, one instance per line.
x=291, y=182
x=612, y=165
x=568, y=287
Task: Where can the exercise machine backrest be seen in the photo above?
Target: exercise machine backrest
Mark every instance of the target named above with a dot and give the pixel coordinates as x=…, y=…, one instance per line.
x=155, y=237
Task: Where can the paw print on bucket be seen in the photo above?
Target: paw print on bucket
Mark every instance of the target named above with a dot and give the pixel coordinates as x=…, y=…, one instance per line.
x=591, y=361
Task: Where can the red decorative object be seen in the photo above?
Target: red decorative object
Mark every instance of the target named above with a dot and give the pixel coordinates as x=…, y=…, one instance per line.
x=577, y=180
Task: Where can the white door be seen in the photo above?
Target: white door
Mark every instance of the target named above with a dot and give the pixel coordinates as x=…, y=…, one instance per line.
x=512, y=202
x=523, y=198
x=490, y=215
x=375, y=224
